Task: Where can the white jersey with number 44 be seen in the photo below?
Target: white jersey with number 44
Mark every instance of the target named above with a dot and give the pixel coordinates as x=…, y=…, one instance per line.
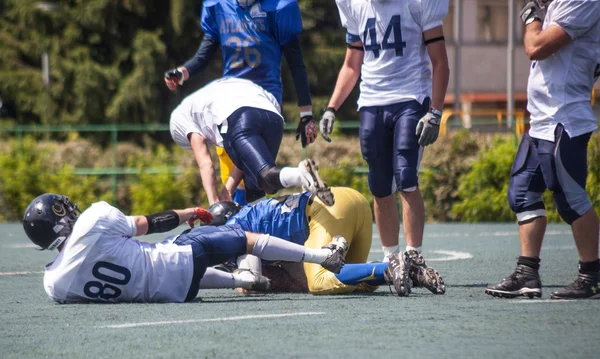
x=101, y=262
x=396, y=66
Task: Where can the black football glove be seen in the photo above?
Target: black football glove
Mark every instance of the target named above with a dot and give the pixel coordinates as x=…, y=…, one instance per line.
x=306, y=130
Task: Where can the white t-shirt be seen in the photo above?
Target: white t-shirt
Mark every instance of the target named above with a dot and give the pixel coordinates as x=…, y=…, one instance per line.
x=560, y=86
x=101, y=262
x=204, y=110
x=396, y=65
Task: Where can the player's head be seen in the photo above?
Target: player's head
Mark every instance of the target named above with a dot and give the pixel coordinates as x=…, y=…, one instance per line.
x=222, y=211
x=49, y=219
x=246, y=3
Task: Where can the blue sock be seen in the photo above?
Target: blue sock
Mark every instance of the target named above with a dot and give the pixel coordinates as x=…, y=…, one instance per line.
x=239, y=197
x=354, y=274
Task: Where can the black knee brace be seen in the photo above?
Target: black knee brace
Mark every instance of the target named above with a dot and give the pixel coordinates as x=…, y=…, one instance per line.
x=268, y=180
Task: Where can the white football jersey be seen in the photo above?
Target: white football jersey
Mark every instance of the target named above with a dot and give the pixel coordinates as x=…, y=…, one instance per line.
x=101, y=262
x=209, y=107
x=560, y=86
x=396, y=65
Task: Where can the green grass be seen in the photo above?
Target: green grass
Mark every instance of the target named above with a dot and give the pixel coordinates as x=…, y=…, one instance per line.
x=463, y=323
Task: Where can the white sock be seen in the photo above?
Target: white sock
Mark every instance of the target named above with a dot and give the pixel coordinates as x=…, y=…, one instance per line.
x=250, y=262
x=316, y=255
x=215, y=279
x=411, y=248
x=244, y=280
x=388, y=251
x=290, y=177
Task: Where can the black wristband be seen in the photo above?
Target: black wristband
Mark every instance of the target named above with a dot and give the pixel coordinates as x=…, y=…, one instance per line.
x=162, y=222
x=331, y=109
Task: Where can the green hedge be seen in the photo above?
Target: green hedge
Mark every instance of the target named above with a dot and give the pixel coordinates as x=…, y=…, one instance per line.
x=464, y=176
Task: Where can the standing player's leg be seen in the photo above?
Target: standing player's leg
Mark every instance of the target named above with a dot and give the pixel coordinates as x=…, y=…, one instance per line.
x=525, y=191
x=376, y=146
x=252, y=141
x=406, y=160
x=567, y=183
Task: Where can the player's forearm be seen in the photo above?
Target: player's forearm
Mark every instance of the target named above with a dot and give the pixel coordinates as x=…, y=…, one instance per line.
x=205, y=52
x=344, y=85
x=234, y=179
x=540, y=44
x=162, y=221
x=293, y=56
x=209, y=183
x=441, y=77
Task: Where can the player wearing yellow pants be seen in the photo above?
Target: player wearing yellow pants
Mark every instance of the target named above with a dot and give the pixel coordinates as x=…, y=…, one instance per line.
x=304, y=219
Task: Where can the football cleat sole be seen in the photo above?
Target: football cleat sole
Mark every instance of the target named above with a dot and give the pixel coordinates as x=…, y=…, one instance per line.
x=525, y=292
x=310, y=172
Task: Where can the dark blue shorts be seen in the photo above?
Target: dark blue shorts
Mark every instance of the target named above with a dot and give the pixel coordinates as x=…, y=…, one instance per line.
x=560, y=166
x=389, y=144
x=211, y=246
x=252, y=142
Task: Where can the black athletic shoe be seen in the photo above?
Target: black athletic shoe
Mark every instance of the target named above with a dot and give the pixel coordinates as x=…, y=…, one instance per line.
x=335, y=261
x=524, y=281
x=397, y=273
x=424, y=276
x=586, y=286
x=227, y=266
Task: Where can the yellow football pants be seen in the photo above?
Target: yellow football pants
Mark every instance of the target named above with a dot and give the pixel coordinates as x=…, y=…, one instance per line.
x=349, y=217
x=226, y=165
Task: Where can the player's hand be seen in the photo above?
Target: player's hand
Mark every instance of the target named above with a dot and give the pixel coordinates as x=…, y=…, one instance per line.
x=532, y=12
x=428, y=129
x=306, y=130
x=173, y=78
x=201, y=214
x=225, y=195
x=326, y=123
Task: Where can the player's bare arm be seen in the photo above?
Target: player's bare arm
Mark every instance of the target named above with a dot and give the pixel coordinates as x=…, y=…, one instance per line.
x=348, y=76
x=233, y=181
x=541, y=44
x=436, y=48
x=207, y=170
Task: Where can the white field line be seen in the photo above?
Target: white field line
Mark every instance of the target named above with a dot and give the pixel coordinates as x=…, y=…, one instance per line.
x=222, y=319
x=24, y=245
x=534, y=301
x=19, y=273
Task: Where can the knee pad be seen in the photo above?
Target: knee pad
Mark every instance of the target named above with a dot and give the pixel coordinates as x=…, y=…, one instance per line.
x=572, y=207
x=526, y=208
x=268, y=180
x=406, y=179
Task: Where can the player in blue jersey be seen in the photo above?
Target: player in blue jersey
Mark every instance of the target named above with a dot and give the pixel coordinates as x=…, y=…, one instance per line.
x=304, y=219
x=253, y=35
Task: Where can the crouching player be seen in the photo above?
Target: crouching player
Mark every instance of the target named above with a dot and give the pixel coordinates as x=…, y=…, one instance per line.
x=246, y=121
x=98, y=260
x=305, y=220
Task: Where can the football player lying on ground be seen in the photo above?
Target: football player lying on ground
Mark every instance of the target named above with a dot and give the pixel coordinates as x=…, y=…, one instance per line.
x=246, y=121
x=304, y=219
x=98, y=260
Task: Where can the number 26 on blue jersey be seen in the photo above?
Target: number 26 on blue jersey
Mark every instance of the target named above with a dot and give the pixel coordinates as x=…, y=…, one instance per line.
x=370, y=37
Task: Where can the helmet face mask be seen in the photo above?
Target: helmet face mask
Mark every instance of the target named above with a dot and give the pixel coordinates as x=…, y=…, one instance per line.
x=223, y=211
x=49, y=219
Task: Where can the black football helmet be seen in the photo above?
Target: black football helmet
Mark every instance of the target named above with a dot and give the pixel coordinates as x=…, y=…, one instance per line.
x=49, y=220
x=222, y=211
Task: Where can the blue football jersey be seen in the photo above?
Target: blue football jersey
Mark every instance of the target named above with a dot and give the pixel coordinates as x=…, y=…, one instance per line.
x=251, y=38
x=283, y=217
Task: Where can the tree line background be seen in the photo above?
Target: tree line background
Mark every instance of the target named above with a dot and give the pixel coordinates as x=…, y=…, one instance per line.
x=107, y=59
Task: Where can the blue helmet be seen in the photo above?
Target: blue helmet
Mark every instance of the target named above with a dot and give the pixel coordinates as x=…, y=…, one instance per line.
x=49, y=219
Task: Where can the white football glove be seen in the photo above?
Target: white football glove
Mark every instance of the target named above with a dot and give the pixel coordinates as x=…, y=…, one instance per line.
x=428, y=129
x=326, y=123
x=531, y=12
